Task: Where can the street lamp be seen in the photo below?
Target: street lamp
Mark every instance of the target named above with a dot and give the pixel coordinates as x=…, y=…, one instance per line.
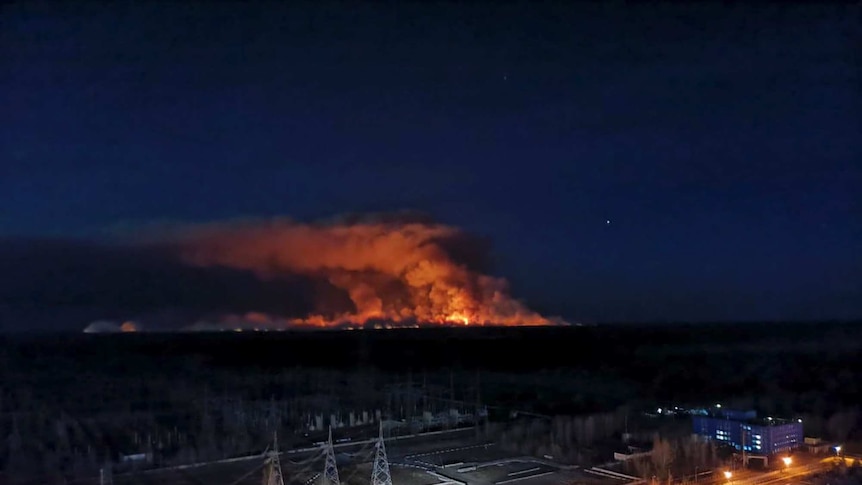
x=787, y=461
x=728, y=475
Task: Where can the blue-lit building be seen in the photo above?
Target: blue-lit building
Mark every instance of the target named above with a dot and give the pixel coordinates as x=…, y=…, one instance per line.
x=745, y=431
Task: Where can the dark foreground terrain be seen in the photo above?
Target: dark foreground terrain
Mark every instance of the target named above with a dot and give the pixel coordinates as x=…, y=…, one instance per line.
x=70, y=403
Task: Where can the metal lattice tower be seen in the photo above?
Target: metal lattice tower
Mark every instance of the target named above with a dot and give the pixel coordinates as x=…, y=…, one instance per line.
x=272, y=472
x=330, y=471
x=380, y=475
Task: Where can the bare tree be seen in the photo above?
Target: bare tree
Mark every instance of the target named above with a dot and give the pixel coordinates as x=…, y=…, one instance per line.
x=642, y=467
x=662, y=456
x=842, y=423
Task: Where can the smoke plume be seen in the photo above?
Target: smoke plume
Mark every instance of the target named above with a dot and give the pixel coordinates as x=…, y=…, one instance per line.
x=393, y=270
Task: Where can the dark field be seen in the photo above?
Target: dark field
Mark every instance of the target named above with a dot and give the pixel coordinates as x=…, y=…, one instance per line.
x=70, y=403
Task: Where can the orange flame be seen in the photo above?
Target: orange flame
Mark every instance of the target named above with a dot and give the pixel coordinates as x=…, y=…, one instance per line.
x=392, y=271
x=458, y=317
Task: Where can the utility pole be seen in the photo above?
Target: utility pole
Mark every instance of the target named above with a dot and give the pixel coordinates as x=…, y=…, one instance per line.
x=478, y=395
x=411, y=405
x=452, y=386
x=424, y=394
x=451, y=399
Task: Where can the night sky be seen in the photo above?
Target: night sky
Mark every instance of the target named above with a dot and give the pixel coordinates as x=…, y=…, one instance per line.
x=627, y=163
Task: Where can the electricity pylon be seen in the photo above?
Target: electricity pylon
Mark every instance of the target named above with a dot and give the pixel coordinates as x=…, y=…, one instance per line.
x=380, y=474
x=272, y=472
x=330, y=470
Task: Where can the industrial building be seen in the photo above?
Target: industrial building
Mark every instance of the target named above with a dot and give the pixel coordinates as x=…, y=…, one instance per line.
x=746, y=432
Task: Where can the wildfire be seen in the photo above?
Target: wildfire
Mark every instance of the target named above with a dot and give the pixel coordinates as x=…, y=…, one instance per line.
x=391, y=271
x=457, y=317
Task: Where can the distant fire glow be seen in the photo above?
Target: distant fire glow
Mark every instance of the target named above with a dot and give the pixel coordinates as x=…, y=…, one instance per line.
x=398, y=273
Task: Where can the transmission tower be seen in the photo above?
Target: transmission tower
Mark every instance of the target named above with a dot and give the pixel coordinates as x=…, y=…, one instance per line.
x=380, y=474
x=330, y=471
x=272, y=472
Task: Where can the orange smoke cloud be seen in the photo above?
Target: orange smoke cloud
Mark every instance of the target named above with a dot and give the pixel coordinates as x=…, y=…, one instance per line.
x=398, y=272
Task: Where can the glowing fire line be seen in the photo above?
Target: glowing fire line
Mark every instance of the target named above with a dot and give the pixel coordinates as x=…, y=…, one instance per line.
x=399, y=272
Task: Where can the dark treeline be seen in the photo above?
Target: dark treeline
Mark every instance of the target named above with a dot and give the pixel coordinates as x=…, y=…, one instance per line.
x=70, y=403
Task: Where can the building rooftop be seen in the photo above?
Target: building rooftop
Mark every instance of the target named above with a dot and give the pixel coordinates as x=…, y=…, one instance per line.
x=748, y=417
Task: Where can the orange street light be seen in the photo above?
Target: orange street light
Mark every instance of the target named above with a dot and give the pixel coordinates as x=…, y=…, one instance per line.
x=787, y=460
x=727, y=475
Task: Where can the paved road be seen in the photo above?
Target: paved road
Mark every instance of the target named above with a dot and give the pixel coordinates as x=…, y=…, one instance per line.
x=792, y=474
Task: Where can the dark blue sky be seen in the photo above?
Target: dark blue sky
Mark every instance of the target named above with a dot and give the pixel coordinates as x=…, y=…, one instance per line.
x=724, y=143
